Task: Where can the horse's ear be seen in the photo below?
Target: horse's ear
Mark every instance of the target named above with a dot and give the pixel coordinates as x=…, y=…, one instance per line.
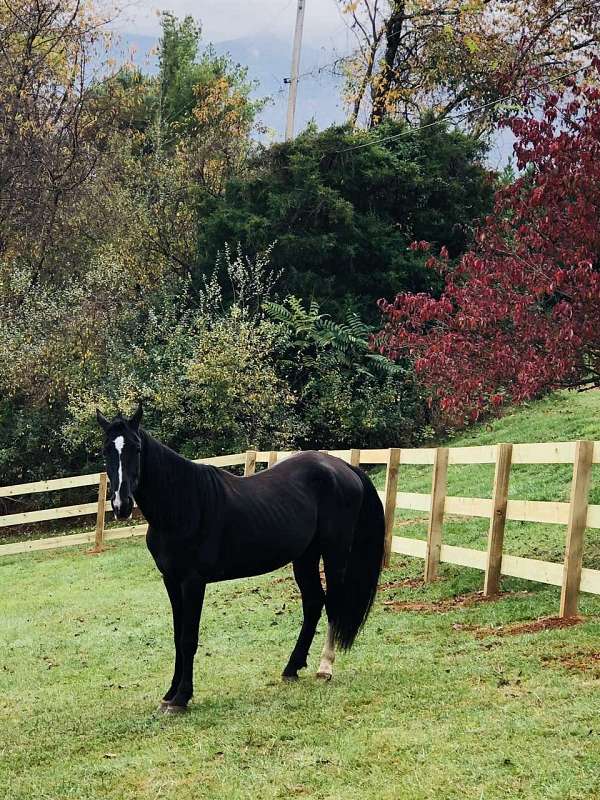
x=102, y=421
x=137, y=417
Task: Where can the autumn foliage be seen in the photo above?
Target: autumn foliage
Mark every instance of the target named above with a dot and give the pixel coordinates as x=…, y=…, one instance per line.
x=520, y=313
x=443, y=58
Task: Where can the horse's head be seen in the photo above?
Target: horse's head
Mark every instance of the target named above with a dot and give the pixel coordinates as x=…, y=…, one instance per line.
x=122, y=454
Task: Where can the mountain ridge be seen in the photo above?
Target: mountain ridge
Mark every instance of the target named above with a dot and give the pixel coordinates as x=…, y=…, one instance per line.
x=268, y=60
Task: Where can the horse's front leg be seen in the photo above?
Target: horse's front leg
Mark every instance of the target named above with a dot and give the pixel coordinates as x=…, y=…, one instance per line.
x=192, y=598
x=173, y=587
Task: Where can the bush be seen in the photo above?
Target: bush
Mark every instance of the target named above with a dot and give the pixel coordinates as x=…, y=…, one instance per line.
x=210, y=386
x=234, y=397
x=214, y=379
x=347, y=395
x=344, y=207
x=360, y=410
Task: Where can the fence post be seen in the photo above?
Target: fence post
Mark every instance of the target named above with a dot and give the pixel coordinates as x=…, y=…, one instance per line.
x=493, y=565
x=101, y=513
x=272, y=458
x=439, y=482
x=582, y=470
x=354, y=457
x=389, y=505
x=250, y=464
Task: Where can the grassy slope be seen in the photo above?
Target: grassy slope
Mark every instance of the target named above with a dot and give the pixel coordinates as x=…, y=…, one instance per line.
x=420, y=709
x=564, y=416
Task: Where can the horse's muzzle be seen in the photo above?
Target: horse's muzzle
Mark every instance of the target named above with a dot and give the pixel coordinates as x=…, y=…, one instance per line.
x=124, y=510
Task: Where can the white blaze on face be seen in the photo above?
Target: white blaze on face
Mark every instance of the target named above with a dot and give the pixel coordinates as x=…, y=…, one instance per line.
x=119, y=444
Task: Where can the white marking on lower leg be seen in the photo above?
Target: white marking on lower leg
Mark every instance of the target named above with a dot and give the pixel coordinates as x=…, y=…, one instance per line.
x=327, y=656
x=119, y=444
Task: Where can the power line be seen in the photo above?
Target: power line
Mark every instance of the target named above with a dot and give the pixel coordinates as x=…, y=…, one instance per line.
x=271, y=24
x=461, y=117
x=311, y=73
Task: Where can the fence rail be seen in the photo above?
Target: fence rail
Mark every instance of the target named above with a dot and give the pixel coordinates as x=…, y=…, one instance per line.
x=576, y=515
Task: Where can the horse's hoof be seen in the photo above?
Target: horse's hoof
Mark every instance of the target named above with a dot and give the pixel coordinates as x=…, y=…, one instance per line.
x=163, y=705
x=324, y=676
x=289, y=678
x=171, y=709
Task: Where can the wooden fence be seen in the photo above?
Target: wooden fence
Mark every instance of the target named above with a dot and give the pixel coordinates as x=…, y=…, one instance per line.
x=575, y=515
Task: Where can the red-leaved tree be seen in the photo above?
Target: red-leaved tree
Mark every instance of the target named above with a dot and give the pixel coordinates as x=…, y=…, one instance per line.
x=520, y=312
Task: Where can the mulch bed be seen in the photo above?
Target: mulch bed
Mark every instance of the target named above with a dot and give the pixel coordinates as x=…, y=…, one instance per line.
x=580, y=661
x=449, y=604
x=518, y=628
x=482, y=632
x=407, y=583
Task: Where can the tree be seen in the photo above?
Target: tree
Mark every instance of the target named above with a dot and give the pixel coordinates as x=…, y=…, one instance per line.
x=450, y=57
x=345, y=393
x=343, y=208
x=51, y=134
x=195, y=95
x=99, y=178
x=519, y=313
x=184, y=133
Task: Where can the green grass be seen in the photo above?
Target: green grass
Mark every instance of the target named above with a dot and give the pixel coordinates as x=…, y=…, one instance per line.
x=420, y=709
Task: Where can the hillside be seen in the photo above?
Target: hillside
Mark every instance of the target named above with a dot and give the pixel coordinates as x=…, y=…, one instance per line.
x=560, y=417
x=563, y=416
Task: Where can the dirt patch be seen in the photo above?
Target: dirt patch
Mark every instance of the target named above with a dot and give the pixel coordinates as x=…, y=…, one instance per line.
x=449, y=604
x=424, y=608
x=407, y=583
x=516, y=629
x=404, y=523
x=581, y=661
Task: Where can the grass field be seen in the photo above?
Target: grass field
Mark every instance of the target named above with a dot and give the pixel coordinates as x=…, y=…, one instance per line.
x=431, y=703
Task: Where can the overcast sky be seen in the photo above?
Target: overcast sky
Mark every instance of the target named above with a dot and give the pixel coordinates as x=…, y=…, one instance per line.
x=230, y=19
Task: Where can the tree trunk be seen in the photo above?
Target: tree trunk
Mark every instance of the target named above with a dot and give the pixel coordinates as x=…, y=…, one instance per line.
x=384, y=80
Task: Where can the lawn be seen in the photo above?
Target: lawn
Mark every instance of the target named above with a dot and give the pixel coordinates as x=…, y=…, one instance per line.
x=431, y=703
x=422, y=708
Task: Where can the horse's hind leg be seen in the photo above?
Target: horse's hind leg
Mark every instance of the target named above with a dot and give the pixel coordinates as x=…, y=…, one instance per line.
x=325, y=671
x=334, y=571
x=336, y=540
x=306, y=572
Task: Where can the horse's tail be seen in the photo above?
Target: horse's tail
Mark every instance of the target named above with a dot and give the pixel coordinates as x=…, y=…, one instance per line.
x=348, y=604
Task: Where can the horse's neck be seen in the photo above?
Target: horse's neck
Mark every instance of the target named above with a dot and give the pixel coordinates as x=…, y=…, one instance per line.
x=160, y=473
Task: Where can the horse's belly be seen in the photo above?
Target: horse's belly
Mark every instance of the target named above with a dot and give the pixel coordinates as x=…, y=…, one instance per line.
x=248, y=570
x=243, y=556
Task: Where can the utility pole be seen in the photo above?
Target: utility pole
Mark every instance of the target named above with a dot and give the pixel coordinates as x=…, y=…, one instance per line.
x=289, y=128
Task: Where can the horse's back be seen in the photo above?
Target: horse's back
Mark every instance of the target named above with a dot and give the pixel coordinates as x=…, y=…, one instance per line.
x=314, y=469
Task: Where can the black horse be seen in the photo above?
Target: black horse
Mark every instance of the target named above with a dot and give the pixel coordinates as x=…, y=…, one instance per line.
x=207, y=525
